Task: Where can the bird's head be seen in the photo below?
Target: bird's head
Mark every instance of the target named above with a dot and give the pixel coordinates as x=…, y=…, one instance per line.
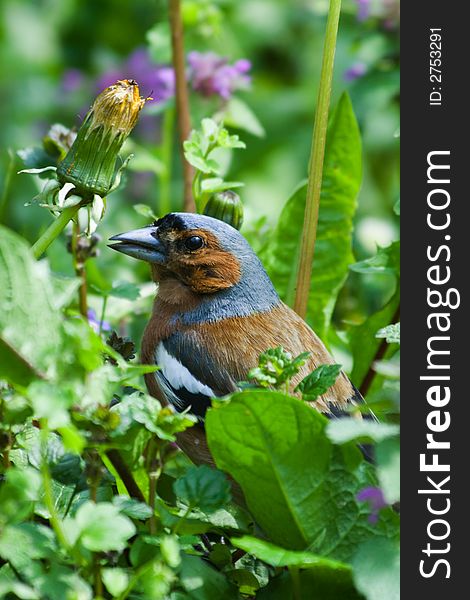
x=204, y=254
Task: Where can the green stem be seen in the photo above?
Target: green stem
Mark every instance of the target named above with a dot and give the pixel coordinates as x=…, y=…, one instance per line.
x=154, y=469
x=312, y=205
x=183, y=519
x=164, y=203
x=294, y=573
x=134, y=580
x=49, y=498
x=103, y=313
x=80, y=271
x=54, y=230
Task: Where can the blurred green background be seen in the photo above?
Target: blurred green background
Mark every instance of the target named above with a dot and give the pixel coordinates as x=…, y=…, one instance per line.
x=55, y=55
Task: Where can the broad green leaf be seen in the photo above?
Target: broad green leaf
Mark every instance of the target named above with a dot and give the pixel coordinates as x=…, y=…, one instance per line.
x=203, y=582
x=29, y=320
x=333, y=254
x=376, y=568
x=298, y=486
x=102, y=528
x=204, y=488
x=318, y=382
x=346, y=429
x=362, y=340
x=280, y=557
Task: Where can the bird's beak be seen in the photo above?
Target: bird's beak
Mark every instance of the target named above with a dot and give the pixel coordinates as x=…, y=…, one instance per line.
x=140, y=243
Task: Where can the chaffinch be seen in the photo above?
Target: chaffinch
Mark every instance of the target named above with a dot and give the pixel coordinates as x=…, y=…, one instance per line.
x=215, y=312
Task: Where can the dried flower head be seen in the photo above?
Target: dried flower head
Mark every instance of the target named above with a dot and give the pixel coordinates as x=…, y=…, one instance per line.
x=90, y=165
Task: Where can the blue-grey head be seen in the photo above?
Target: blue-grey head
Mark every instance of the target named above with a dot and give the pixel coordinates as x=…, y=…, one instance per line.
x=209, y=257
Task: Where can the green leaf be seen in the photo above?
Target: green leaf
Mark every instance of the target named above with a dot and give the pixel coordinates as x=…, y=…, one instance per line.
x=318, y=382
x=238, y=114
x=333, y=254
x=132, y=507
x=391, y=333
x=362, y=340
x=19, y=544
x=30, y=337
x=204, y=488
x=9, y=584
x=125, y=289
x=115, y=580
x=386, y=260
x=170, y=549
x=18, y=492
x=145, y=210
x=298, y=486
x=212, y=185
x=396, y=207
x=143, y=159
x=102, y=528
x=280, y=557
x=62, y=582
x=387, y=454
x=376, y=568
x=202, y=582
x=347, y=429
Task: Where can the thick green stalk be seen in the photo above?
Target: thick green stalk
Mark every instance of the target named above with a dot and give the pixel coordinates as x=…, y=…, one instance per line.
x=312, y=205
x=54, y=230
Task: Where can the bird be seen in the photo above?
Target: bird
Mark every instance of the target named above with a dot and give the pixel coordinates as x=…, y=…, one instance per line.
x=216, y=310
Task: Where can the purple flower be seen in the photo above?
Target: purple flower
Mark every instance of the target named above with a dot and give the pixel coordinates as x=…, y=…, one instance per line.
x=72, y=80
x=374, y=496
x=355, y=71
x=363, y=9
x=153, y=79
x=95, y=322
x=210, y=74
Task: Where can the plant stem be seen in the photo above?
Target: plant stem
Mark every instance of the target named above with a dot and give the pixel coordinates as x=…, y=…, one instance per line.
x=294, y=573
x=312, y=205
x=49, y=498
x=164, y=203
x=181, y=93
x=370, y=375
x=126, y=476
x=80, y=271
x=103, y=312
x=154, y=468
x=54, y=230
x=182, y=519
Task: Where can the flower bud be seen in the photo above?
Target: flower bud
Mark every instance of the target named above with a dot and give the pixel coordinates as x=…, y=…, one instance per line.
x=90, y=164
x=225, y=206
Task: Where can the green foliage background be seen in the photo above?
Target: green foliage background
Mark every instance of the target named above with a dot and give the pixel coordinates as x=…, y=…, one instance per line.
x=69, y=527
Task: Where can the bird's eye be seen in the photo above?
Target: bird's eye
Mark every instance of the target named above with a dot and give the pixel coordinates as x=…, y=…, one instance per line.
x=194, y=242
